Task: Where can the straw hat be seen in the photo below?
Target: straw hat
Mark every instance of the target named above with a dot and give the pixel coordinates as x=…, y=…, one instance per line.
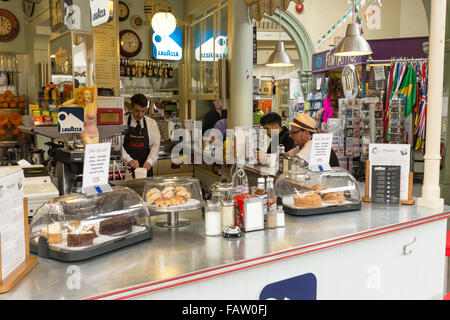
x=305, y=122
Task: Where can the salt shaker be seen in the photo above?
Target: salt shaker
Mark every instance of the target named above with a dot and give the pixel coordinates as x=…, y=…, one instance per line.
x=280, y=221
x=271, y=221
x=212, y=218
x=227, y=213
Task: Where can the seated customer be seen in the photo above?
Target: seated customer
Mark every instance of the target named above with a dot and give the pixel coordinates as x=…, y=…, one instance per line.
x=272, y=122
x=302, y=129
x=213, y=116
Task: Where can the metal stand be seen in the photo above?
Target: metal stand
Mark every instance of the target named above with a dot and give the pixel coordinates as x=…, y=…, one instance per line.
x=173, y=221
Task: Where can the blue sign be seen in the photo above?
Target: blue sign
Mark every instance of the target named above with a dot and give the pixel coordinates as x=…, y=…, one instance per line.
x=302, y=287
x=319, y=62
x=168, y=47
x=70, y=120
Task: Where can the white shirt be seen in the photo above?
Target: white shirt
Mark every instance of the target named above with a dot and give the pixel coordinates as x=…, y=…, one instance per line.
x=154, y=138
x=304, y=153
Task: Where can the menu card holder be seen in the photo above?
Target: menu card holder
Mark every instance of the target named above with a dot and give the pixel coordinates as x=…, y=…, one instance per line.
x=12, y=279
x=366, y=197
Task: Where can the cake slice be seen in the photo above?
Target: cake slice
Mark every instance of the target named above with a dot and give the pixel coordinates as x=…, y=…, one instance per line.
x=53, y=233
x=111, y=226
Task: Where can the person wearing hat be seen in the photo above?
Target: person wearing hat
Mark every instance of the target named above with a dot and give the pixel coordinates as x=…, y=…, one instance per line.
x=302, y=129
x=142, y=139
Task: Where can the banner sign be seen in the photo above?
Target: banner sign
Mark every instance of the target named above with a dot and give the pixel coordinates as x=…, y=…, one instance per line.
x=168, y=47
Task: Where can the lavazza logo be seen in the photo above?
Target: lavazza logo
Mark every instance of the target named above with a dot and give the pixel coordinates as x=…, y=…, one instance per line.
x=168, y=53
x=99, y=14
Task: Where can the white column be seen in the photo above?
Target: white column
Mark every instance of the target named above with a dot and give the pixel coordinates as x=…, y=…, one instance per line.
x=240, y=109
x=431, y=190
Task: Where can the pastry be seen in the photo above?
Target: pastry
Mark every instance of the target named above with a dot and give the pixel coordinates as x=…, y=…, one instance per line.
x=177, y=200
x=334, y=197
x=152, y=195
x=53, y=233
x=182, y=192
x=74, y=225
x=168, y=192
x=115, y=225
x=317, y=187
x=162, y=202
x=81, y=239
x=311, y=200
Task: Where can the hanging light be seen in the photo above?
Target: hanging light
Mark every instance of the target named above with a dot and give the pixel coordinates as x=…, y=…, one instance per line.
x=279, y=58
x=353, y=43
x=164, y=23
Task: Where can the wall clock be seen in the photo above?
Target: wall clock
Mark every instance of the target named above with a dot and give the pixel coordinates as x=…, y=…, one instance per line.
x=9, y=26
x=124, y=11
x=136, y=22
x=130, y=44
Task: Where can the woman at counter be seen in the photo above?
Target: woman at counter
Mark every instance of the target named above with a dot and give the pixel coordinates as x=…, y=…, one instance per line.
x=142, y=139
x=302, y=129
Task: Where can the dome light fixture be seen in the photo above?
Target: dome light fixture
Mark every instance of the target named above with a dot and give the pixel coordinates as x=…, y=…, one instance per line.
x=279, y=58
x=164, y=23
x=353, y=43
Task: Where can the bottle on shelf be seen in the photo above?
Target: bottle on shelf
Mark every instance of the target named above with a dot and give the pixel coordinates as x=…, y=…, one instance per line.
x=128, y=69
x=262, y=193
x=133, y=69
x=161, y=71
x=166, y=71
x=122, y=68
x=240, y=180
x=271, y=198
x=144, y=69
x=170, y=71
x=149, y=69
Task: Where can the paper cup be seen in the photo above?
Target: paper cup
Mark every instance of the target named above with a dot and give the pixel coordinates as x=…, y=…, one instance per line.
x=140, y=173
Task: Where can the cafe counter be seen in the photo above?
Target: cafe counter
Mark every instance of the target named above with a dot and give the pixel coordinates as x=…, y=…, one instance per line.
x=377, y=252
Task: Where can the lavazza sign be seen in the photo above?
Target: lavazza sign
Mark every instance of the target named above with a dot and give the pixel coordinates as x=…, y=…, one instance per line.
x=102, y=11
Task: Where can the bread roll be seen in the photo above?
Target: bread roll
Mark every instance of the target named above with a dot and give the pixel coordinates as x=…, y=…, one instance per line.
x=317, y=187
x=334, y=197
x=309, y=200
x=168, y=192
x=152, y=195
x=162, y=202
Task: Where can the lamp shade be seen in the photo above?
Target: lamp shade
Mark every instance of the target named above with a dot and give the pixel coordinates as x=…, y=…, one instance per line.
x=353, y=43
x=279, y=58
x=164, y=23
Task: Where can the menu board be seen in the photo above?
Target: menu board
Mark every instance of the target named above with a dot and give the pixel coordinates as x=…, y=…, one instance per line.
x=392, y=155
x=106, y=46
x=12, y=227
x=96, y=164
x=386, y=184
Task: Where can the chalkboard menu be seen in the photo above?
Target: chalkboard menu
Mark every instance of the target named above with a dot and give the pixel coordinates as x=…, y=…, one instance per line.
x=386, y=184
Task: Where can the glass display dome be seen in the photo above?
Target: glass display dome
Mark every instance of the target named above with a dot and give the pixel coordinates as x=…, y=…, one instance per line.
x=165, y=194
x=304, y=192
x=76, y=226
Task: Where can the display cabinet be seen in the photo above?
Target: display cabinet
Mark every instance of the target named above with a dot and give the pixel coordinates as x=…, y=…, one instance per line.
x=76, y=227
x=304, y=192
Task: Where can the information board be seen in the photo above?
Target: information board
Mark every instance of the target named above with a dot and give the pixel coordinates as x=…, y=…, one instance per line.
x=386, y=184
x=96, y=167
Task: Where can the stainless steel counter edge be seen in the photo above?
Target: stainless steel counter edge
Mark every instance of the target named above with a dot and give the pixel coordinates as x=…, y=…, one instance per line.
x=150, y=287
x=174, y=257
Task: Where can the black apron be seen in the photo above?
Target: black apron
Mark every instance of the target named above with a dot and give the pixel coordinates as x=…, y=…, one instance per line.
x=137, y=145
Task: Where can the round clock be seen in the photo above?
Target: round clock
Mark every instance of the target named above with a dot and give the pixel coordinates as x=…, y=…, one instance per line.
x=9, y=26
x=124, y=11
x=130, y=44
x=136, y=22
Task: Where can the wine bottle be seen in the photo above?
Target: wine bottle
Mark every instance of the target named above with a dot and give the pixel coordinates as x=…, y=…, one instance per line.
x=161, y=71
x=170, y=71
x=133, y=69
x=166, y=71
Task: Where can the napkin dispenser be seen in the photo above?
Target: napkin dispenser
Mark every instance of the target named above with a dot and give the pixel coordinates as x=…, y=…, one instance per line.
x=249, y=212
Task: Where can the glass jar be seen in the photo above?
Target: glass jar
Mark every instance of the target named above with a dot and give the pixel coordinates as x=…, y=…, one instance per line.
x=279, y=217
x=213, y=221
x=227, y=213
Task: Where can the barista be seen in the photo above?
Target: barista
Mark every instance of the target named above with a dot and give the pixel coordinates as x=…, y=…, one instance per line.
x=271, y=122
x=142, y=139
x=302, y=129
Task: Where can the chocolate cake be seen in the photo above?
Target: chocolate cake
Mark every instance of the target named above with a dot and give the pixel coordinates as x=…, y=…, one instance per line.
x=114, y=225
x=80, y=239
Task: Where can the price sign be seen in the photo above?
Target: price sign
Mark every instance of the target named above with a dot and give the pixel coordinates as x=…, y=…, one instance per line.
x=96, y=168
x=320, y=152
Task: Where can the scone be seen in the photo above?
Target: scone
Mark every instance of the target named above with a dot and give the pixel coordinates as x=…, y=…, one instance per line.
x=182, y=192
x=168, y=192
x=310, y=200
x=152, y=195
x=177, y=200
x=162, y=202
x=334, y=197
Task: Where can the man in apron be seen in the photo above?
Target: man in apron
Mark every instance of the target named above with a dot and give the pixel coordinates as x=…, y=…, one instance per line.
x=142, y=139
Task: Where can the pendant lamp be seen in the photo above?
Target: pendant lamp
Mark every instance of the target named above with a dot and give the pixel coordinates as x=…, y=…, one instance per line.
x=353, y=43
x=279, y=58
x=164, y=23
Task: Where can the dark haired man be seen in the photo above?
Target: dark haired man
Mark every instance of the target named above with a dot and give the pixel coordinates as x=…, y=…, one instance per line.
x=142, y=139
x=272, y=122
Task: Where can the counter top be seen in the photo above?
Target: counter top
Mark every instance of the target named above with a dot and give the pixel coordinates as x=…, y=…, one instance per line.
x=180, y=253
